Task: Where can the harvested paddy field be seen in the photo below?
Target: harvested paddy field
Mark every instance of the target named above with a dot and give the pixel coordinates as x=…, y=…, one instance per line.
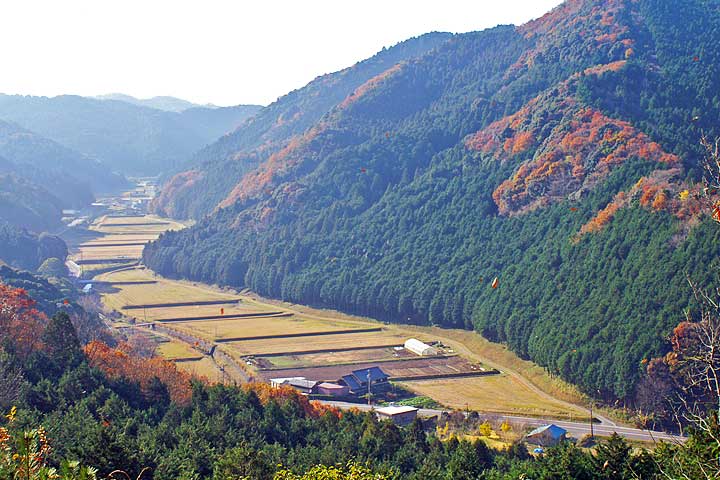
x=253, y=327
x=131, y=293
x=324, y=342
x=397, y=369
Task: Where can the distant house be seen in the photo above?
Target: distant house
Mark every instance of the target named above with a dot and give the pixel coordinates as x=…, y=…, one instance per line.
x=546, y=436
x=397, y=415
x=357, y=381
x=87, y=288
x=419, y=348
x=301, y=384
x=331, y=389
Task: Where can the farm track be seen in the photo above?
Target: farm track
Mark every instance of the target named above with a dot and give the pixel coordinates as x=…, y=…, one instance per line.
x=238, y=316
x=297, y=335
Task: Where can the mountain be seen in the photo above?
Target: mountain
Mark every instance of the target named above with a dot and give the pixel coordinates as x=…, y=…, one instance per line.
x=127, y=138
x=166, y=103
x=216, y=169
x=72, y=178
x=561, y=157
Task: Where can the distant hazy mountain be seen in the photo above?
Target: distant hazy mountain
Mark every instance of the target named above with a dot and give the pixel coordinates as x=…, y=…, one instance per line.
x=73, y=177
x=127, y=138
x=166, y=103
x=39, y=178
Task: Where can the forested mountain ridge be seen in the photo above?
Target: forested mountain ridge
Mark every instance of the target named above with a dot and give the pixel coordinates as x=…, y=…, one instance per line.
x=127, y=138
x=215, y=170
x=559, y=156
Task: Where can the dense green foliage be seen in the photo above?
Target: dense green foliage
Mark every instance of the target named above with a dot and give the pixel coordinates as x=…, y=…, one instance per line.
x=127, y=138
x=382, y=208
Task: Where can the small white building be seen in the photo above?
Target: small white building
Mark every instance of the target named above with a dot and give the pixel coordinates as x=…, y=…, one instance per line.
x=277, y=382
x=398, y=415
x=420, y=348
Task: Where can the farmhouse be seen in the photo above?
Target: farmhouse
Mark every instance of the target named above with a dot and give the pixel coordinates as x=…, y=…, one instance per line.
x=546, y=436
x=419, y=348
x=357, y=381
x=397, y=415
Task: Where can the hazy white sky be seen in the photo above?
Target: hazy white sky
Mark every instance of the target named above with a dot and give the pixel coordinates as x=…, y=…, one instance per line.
x=219, y=51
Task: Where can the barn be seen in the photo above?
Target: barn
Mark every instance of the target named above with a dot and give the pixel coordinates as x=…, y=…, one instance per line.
x=397, y=415
x=420, y=348
x=331, y=389
x=546, y=436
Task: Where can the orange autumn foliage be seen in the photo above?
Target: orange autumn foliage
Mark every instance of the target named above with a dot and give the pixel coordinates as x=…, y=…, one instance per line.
x=580, y=18
x=20, y=322
x=604, y=215
x=371, y=84
x=120, y=362
x=267, y=393
x=560, y=164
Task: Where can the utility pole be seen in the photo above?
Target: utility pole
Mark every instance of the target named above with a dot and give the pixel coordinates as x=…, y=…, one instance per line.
x=369, y=386
x=592, y=433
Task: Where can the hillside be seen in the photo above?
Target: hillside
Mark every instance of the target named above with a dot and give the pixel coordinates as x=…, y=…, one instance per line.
x=71, y=177
x=25, y=250
x=215, y=170
x=24, y=204
x=558, y=156
x=127, y=138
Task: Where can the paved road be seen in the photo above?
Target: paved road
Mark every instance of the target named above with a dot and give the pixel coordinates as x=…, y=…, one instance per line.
x=575, y=429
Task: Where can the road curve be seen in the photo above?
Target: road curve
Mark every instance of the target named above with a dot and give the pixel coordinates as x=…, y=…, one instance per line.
x=575, y=429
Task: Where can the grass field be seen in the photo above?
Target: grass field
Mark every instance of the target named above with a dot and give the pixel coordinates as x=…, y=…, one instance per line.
x=174, y=349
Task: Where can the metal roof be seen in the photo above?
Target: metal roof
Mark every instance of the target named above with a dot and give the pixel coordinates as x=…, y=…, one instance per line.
x=375, y=374
x=555, y=431
x=394, y=410
x=351, y=382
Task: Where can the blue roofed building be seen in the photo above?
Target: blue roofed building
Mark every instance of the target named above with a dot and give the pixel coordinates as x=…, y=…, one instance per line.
x=546, y=436
x=357, y=380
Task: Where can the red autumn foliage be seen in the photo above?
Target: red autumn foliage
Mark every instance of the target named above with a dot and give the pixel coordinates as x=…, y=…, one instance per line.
x=20, y=322
x=120, y=362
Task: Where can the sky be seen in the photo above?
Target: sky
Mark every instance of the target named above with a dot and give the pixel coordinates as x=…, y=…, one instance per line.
x=225, y=52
